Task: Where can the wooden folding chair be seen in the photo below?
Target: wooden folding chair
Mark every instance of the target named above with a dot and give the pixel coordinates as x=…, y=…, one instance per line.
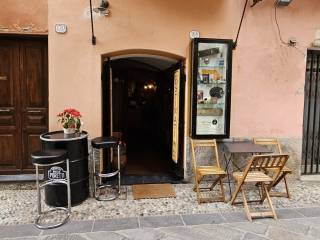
x=213, y=170
x=273, y=142
x=255, y=172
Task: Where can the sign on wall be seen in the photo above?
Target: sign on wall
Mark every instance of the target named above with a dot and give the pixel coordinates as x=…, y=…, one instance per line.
x=61, y=28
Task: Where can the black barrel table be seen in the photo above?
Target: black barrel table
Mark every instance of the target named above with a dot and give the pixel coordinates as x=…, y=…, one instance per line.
x=77, y=148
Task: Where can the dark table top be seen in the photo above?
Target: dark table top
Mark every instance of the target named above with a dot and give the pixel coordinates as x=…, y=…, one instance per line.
x=244, y=147
x=60, y=136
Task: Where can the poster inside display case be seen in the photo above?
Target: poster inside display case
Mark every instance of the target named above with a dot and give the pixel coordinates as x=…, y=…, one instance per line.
x=211, y=87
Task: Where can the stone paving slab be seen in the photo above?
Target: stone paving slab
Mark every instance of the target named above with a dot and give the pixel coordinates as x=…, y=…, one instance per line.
x=71, y=227
x=197, y=219
x=19, y=231
x=161, y=221
x=291, y=225
x=309, y=212
x=115, y=224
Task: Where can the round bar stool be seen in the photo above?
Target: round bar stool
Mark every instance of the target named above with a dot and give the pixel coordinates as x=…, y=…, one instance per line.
x=105, y=143
x=51, y=158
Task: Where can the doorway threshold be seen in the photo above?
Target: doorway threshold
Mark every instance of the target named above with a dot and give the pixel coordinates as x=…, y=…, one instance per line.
x=150, y=179
x=19, y=178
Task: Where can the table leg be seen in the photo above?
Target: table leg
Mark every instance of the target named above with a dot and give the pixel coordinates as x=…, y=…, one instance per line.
x=227, y=170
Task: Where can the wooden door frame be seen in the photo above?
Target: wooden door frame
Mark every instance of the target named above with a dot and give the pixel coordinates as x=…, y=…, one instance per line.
x=105, y=62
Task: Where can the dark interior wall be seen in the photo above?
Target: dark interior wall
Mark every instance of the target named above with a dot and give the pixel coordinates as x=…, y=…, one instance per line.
x=142, y=116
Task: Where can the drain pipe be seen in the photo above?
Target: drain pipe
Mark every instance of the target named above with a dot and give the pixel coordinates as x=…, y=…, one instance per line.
x=93, y=40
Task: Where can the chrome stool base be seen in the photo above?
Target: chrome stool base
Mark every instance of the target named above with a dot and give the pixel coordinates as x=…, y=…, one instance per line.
x=98, y=177
x=64, y=221
x=49, y=159
x=100, y=197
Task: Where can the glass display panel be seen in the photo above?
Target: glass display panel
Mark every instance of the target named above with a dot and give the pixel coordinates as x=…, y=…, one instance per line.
x=211, y=88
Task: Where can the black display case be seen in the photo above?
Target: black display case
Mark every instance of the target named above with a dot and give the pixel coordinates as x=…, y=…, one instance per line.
x=211, y=87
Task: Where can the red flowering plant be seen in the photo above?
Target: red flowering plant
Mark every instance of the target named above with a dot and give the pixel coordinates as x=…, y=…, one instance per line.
x=70, y=118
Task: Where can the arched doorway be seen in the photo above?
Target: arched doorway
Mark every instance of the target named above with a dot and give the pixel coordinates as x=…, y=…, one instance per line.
x=139, y=91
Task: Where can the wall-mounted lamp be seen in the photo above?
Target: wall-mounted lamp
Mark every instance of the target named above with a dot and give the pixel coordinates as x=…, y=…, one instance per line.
x=255, y=2
x=103, y=8
x=283, y=2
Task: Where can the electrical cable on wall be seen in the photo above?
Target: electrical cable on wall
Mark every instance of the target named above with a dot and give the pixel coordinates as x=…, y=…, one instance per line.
x=276, y=20
x=279, y=31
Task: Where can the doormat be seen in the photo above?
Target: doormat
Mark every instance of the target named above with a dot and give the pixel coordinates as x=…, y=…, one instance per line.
x=153, y=191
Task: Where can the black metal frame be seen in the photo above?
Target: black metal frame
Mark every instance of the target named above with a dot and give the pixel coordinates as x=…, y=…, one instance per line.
x=194, y=51
x=93, y=37
x=311, y=116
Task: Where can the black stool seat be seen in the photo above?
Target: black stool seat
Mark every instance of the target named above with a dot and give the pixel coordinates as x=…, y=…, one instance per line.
x=48, y=156
x=105, y=142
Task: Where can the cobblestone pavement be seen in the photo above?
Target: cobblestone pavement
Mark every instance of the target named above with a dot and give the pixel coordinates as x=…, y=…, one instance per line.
x=18, y=203
x=299, y=223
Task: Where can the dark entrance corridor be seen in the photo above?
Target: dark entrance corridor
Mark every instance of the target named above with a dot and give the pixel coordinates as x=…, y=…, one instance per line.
x=142, y=112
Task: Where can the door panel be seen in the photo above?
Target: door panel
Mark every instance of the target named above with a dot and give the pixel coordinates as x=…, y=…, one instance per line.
x=8, y=155
x=178, y=120
x=31, y=143
x=175, y=124
x=33, y=56
x=34, y=74
x=9, y=106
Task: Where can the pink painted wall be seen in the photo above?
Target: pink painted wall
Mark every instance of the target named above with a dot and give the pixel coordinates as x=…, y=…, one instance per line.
x=268, y=77
x=17, y=14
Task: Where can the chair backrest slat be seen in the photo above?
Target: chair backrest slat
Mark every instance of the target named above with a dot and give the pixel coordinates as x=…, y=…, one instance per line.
x=265, y=162
x=269, y=142
x=212, y=143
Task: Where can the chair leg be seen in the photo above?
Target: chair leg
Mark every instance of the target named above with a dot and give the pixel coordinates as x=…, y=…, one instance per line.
x=263, y=193
x=269, y=201
x=286, y=184
x=94, y=174
x=286, y=193
x=235, y=193
x=222, y=190
x=68, y=186
x=197, y=187
x=38, y=192
x=214, y=183
x=279, y=179
x=119, y=174
x=245, y=205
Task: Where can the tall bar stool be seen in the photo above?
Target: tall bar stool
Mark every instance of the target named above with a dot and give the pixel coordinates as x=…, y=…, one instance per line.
x=105, y=143
x=50, y=158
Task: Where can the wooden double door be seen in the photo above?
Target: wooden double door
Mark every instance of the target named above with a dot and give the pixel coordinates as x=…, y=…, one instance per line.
x=23, y=101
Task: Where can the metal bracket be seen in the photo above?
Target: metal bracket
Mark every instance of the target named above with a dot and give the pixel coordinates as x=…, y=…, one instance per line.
x=93, y=40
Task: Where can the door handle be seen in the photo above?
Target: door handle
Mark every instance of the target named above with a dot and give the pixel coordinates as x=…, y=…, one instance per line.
x=34, y=111
x=3, y=78
x=4, y=110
